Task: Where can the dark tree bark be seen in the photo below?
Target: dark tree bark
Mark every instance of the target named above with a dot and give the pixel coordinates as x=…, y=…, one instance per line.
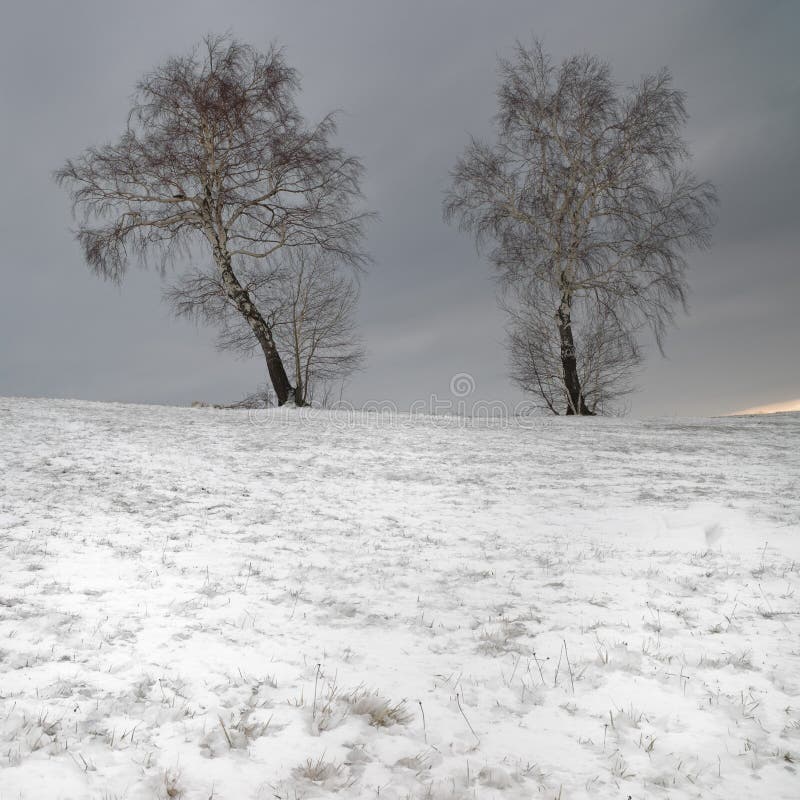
x=576, y=402
x=244, y=304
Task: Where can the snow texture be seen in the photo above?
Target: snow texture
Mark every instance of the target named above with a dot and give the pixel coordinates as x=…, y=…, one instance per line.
x=226, y=604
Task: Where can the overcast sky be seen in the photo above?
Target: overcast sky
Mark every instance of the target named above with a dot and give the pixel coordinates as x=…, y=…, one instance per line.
x=414, y=79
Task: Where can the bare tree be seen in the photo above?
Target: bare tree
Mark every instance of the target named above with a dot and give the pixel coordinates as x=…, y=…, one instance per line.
x=217, y=160
x=586, y=199
x=309, y=304
x=317, y=323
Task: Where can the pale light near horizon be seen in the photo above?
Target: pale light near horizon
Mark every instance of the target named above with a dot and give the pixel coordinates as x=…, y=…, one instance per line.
x=770, y=408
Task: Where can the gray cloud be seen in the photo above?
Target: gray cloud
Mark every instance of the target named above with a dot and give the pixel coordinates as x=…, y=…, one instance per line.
x=414, y=79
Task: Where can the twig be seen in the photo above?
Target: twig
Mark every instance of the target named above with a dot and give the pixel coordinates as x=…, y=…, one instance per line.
x=314, y=706
x=458, y=700
x=541, y=674
x=424, y=724
x=558, y=666
x=225, y=731
x=514, y=671
x=572, y=682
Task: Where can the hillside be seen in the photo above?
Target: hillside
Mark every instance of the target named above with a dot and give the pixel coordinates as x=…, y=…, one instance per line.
x=228, y=604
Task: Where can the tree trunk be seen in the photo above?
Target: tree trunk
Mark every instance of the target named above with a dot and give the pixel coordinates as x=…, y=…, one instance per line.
x=300, y=389
x=576, y=404
x=240, y=297
x=277, y=373
x=299, y=394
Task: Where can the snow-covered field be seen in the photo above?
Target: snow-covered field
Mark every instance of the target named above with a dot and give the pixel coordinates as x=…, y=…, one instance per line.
x=220, y=604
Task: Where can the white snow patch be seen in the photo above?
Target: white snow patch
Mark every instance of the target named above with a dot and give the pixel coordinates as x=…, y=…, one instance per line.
x=198, y=603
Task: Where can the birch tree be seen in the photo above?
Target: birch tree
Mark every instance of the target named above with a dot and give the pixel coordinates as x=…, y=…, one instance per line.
x=585, y=200
x=216, y=164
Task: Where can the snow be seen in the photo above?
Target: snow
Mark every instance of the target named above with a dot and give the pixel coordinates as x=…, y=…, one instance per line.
x=227, y=604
